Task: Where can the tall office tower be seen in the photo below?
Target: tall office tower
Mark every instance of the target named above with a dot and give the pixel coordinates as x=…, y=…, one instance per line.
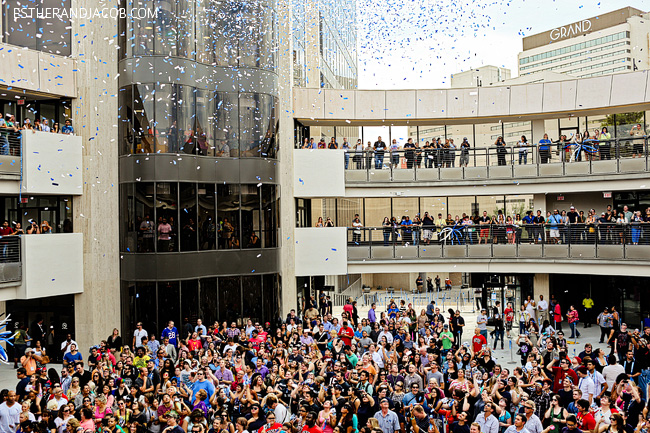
x=198, y=102
x=613, y=42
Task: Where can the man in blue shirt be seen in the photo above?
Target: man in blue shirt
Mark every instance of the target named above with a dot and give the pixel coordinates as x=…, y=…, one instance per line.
x=67, y=128
x=545, y=149
x=171, y=332
x=554, y=220
x=406, y=234
x=202, y=383
x=372, y=317
x=528, y=220
x=73, y=356
x=200, y=328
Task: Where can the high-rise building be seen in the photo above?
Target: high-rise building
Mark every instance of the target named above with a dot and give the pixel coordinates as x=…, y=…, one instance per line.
x=613, y=42
x=324, y=44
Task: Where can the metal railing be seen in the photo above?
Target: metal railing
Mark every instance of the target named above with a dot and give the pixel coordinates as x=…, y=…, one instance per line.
x=10, y=259
x=10, y=142
x=354, y=291
x=580, y=240
x=619, y=155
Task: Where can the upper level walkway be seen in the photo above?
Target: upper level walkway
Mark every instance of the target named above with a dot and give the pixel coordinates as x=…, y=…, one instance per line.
x=607, y=94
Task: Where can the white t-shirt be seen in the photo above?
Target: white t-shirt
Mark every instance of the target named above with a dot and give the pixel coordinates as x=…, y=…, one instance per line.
x=139, y=335
x=611, y=372
x=530, y=308
x=542, y=306
x=9, y=417
x=67, y=350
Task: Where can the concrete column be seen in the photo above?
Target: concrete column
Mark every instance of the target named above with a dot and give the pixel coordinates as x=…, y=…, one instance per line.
x=541, y=286
x=312, y=43
x=97, y=309
x=288, y=290
x=538, y=131
x=539, y=203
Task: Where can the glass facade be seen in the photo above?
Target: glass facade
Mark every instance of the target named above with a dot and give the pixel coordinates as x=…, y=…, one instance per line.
x=168, y=217
x=335, y=38
x=50, y=33
x=228, y=298
x=213, y=32
x=55, y=210
x=373, y=210
x=223, y=114
x=171, y=118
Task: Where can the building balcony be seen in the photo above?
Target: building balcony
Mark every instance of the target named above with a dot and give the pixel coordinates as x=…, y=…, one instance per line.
x=40, y=162
x=607, y=249
x=607, y=157
x=34, y=266
x=607, y=165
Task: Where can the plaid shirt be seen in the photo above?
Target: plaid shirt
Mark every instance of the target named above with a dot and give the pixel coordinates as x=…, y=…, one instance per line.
x=233, y=332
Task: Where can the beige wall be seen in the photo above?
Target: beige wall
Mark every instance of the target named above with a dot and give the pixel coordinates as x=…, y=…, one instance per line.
x=33, y=70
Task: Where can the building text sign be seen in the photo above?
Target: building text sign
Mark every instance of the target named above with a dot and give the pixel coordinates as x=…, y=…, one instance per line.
x=571, y=30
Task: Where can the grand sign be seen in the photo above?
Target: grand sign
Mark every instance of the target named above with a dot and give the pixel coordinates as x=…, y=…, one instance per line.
x=579, y=28
x=570, y=30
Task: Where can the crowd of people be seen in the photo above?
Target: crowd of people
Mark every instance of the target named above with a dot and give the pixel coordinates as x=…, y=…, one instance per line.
x=10, y=123
x=391, y=371
x=612, y=226
x=442, y=153
x=10, y=131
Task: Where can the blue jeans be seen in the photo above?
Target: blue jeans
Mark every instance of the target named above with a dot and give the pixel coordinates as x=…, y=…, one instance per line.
x=379, y=161
x=574, y=329
x=386, y=238
x=347, y=160
x=525, y=157
x=498, y=334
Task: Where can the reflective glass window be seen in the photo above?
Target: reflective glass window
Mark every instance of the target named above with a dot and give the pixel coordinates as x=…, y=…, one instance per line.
x=169, y=304
x=167, y=216
x=228, y=216
x=269, y=216
x=252, y=297
x=206, y=217
x=250, y=216
x=143, y=117
x=230, y=305
x=144, y=225
x=125, y=120
x=187, y=219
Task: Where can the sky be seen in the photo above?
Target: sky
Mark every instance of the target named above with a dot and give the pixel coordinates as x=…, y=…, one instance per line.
x=409, y=44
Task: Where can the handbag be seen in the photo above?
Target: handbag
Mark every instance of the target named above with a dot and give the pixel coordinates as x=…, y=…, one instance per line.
x=45, y=360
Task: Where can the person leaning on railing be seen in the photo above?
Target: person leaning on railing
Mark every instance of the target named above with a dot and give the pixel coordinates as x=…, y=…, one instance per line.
x=544, y=148
x=605, y=146
x=638, y=133
x=4, y=142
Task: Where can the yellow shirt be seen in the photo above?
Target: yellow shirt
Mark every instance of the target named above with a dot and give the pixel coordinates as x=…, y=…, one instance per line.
x=588, y=303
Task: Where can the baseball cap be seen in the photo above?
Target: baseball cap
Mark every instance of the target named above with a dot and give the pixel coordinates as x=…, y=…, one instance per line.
x=572, y=207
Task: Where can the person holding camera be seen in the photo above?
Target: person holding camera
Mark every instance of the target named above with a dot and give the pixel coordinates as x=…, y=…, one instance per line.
x=419, y=420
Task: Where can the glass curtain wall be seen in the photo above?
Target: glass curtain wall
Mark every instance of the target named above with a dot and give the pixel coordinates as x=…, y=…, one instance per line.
x=170, y=118
x=213, y=299
x=170, y=216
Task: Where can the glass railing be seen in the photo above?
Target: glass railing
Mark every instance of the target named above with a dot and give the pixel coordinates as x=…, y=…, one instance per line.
x=625, y=155
x=10, y=259
x=579, y=240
